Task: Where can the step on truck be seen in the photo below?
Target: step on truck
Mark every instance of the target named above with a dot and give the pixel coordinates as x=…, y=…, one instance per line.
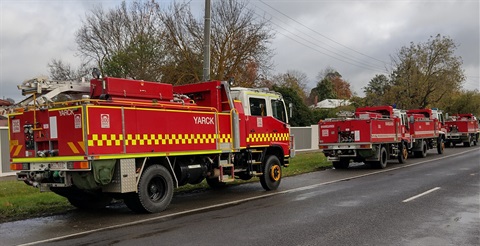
x=427, y=131
x=462, y=128
x=137, y=141
x=372, y=135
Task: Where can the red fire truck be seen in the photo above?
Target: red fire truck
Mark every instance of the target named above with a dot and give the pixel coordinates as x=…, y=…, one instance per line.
x=372, y=135
x=427, y=131
x=137, y=141
x=462, y=128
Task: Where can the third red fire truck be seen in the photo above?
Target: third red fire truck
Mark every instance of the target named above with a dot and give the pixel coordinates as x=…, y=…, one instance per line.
x=462, y=128
x=137, y=141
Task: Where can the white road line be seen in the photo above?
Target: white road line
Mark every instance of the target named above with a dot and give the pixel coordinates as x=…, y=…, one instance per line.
x=309, y=187
x=421, y=194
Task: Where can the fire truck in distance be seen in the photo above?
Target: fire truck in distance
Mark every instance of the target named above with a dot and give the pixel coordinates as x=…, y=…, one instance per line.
x=372, y=135
x=462, y=128
x=427, y=131
x=137, y=141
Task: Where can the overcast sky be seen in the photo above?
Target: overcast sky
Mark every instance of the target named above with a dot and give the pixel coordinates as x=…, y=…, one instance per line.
x=356, y=38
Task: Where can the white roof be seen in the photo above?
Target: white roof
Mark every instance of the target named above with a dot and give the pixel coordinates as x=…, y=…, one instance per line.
x=332, y=103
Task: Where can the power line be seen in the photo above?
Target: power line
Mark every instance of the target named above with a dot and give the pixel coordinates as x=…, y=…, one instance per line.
x=346, y=57
x=332, y=40
x=319, y=51
x=356, y=62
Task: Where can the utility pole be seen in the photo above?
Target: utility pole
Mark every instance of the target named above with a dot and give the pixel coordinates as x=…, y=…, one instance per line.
x=206, y=39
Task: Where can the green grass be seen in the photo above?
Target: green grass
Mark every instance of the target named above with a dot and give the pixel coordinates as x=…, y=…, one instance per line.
x=20, y=201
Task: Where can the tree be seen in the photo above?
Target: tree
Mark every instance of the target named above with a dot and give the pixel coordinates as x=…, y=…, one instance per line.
x=376, y=90
x=143, y=41
x=323, y=90
x=60, y=70
x=141, y=59
x=124, y=41
x=330, y=86
x=425, y=73
x=302, y=115
x=462, y=102
x=239, y=42
x=294, y=80
x=341, y=88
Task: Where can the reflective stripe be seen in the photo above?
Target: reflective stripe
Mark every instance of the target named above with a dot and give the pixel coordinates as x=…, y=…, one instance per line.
x=157, y=139
x=267, y=137
x=73, y=147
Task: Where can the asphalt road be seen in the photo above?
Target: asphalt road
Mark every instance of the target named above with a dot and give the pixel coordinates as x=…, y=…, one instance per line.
x=428, y=201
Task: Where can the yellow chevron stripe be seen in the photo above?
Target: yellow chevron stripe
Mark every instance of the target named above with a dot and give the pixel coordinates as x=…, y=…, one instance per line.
x=73, y=147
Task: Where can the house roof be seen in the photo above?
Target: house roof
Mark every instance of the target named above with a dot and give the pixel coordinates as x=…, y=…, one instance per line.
x=332, y=103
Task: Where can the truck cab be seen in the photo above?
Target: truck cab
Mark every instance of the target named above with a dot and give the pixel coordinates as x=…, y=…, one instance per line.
x=265, y=116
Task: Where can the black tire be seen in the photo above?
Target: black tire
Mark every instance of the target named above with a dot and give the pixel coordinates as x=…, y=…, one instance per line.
x=402, y=153
x=382, y=163
x=272, y=173
x=468, y=143
x=342, y=164
x=155, y=191
x=215, y=184
x=423, y=152
x=440, y=145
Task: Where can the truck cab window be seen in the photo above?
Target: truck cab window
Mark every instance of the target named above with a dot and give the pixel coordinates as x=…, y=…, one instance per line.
x=257, y=107
x=278, y=109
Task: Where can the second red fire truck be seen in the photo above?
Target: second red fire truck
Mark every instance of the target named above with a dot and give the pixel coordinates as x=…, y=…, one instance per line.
x=137, y=141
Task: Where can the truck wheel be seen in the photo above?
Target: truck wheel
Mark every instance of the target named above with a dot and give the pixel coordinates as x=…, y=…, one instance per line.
x=402, y=153
x=440, y=145
x=468, y=143
x=272, y=173
x=155, y=191
x=423, y=152
x=342, y=164
x=215, y=184
x=382, y=163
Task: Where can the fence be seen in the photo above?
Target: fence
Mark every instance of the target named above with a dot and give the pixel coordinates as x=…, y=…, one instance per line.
x=306, y=138
x=4, y=152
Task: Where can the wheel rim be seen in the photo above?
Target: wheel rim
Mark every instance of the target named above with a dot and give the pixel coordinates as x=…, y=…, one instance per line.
x=405, y=154
x=156, y=189
x=275, y=173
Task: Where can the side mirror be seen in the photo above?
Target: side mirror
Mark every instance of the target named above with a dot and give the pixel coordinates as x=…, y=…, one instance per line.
x=411, y=119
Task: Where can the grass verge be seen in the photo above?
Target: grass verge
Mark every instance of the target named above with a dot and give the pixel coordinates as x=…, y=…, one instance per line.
x=20, y=201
